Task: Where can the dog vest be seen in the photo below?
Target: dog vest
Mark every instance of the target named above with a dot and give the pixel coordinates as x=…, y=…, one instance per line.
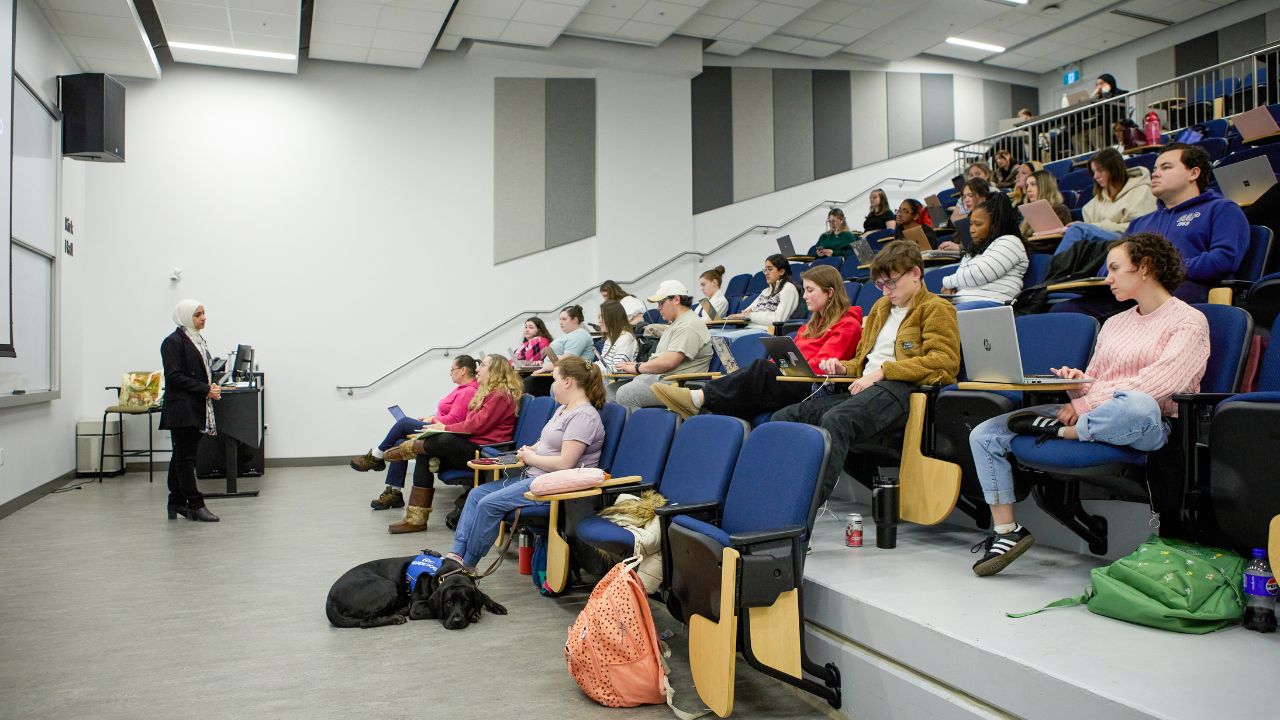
x=422, y=565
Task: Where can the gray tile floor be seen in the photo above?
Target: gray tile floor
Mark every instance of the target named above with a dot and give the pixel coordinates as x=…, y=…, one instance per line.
x=108, y=610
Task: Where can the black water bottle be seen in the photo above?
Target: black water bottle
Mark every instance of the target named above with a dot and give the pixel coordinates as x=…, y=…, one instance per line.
x=884, y=508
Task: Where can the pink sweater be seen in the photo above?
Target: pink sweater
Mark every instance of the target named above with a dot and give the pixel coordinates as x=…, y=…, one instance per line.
x=453, y=408
x=1159, y=354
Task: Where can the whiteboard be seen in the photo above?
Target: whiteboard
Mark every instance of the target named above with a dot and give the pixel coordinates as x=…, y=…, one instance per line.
x=32, y=370
x=35, y=179
x=7, y=17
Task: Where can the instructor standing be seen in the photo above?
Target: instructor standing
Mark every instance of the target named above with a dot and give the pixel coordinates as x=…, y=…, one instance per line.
x=188, y=408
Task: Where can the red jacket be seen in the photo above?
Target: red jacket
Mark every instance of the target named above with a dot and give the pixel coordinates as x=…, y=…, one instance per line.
x=493, y=422
x=839, y=341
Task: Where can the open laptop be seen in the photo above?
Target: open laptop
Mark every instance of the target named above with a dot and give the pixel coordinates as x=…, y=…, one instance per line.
x=784, y=353
x=1256, y=123
x=550, y=354
x=1076, y=98
x=989, y=346
x=936, y=213
x=1042, y=219
x=1244, y=182
x=708, y=310
x=862, y=249
x=917, y=236
x=721, y=348
x=785, y=247
x=958, y=183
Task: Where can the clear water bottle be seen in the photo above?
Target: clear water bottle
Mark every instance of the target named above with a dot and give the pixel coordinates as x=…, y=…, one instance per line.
x=1259, y=593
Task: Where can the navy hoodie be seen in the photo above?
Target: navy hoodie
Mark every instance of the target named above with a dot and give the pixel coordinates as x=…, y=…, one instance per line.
x=1210, y=231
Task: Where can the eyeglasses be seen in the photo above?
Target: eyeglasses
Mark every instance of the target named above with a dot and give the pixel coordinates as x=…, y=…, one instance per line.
x=889, y=284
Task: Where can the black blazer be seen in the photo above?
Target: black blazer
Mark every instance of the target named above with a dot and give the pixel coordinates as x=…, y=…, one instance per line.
x=185, y=383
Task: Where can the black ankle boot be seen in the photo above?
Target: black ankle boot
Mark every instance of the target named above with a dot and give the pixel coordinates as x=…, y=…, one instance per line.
x=202, y=514
x=176, y=510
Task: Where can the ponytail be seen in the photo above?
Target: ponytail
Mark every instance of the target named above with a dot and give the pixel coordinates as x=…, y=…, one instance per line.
x=587, y=376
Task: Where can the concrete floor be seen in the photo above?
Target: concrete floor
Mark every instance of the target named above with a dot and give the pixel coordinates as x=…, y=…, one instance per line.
x=108, y=610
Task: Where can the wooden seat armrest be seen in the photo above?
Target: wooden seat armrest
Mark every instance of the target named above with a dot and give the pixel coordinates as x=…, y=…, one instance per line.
x=682, y=377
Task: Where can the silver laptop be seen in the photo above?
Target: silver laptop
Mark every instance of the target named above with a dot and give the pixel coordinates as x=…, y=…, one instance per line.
x=1077, y=98
x=862, y=249
x=989, y=343
x=1244, y=182
x=721, y=348
x=786, y=355
x=785, y=247
x=1256, y=123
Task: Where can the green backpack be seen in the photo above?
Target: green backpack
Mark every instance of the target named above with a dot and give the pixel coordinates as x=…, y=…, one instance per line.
x=1167, y=584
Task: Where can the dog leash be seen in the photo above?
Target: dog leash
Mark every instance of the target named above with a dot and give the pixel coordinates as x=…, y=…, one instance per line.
x=502, y=552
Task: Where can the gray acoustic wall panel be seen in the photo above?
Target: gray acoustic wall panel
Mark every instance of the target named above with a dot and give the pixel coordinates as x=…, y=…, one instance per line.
x=867, y=101
x=1236, y=40
x=792, y=127
x=997, y=98
x=712, y=114
x=519, y=173
x=938, y=120
x=1273, y=26
x=832, y=138
x=1156, y=67
x=752, y=96
x=571, y=160
x=1023, y=96
x=904, y=113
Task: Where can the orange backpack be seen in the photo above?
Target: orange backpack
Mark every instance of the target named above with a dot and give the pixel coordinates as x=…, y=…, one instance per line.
x=613, y=651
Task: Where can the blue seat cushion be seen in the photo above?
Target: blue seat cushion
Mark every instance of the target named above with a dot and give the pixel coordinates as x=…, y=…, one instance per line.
x=761, y=419
x=457, y=477
x=603, y=534
x=1258, y=397
x=1073, y=454
x=703, y=528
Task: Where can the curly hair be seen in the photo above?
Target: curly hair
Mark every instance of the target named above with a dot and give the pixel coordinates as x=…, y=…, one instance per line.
x=1152, y=253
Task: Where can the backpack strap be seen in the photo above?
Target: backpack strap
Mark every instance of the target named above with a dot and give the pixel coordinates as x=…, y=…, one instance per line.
x=664, y=652
x=1064, y=602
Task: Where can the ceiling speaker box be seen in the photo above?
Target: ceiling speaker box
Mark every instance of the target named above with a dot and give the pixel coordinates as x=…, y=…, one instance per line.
x=92, y=117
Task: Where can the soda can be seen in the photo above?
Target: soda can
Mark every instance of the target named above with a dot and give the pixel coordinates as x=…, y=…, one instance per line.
x=853, y=531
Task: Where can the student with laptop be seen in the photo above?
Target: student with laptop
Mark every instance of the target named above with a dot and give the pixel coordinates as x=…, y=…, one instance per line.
x=620, y=343
x=490, y=419
x=1209, y=231
x=994, y=263
x=832, y=331
x=910, y=338
x=1120, y=196
x=911, y=214
x=837, y=241
x=1042, y=185
x=453, y=408
x=576, y=340
x=779, y=298
x=709, y=283
x=536, y=341
x=611, y=290
x=1142, y=357
x=685, y=347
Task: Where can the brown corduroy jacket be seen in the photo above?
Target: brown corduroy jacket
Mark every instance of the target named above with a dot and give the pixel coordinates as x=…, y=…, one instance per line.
x=927, y=348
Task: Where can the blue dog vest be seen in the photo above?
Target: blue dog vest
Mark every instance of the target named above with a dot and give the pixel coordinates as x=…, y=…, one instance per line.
x=422, y=565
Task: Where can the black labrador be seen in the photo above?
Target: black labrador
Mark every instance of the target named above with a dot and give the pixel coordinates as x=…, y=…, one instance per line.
x=376, y=593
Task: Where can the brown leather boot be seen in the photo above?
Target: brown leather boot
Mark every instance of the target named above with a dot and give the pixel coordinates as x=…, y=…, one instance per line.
x=407, y=450
x=367, y=462
x=415, y=513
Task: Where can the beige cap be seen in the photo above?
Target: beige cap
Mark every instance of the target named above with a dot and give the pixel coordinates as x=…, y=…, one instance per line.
x=669, y=288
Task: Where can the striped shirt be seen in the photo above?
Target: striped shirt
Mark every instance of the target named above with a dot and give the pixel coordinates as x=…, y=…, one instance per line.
x=995, y=274
x=1159, y=354
x=624, y=350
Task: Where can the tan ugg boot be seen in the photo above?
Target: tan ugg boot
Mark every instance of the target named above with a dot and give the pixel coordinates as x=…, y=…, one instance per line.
x=415, y=513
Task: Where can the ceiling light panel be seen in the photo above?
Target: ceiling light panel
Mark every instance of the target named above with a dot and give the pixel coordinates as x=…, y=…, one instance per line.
x=246, y=34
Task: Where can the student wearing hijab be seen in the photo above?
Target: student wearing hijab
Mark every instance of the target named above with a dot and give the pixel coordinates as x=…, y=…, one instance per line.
x=188, y=407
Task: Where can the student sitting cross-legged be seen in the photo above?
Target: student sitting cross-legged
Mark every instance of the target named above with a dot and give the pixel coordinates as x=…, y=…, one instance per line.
x=490, y=419
x=833, y=331
x=572, y=438
x=685, y=347
x=909, y=338
x=453, y=408
x=1143, y=356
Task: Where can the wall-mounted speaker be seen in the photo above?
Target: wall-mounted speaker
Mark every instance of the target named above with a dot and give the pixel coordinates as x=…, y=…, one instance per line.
x=92, y=117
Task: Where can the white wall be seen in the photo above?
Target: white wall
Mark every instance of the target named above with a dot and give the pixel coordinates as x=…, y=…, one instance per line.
x=38, y=439
x=1122, y=62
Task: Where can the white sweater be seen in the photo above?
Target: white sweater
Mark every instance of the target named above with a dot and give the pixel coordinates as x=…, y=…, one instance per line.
x=768, y=309
x=996, y=274
x=1134, y=201
x=624, y=350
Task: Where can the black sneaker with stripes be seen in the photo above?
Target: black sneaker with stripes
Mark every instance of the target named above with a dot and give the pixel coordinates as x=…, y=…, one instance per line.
x=1001, y=550
x=1030, y=422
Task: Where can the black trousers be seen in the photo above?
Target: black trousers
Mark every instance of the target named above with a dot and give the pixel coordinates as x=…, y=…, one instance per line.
x=453, y=451
x=182, y=468
x=538, y=385
x=1266, y=211
x=751, y=391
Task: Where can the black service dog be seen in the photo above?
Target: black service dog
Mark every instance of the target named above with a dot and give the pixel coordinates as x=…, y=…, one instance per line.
x=376, y=593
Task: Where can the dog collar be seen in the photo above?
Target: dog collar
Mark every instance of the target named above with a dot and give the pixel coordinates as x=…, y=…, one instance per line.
x=419, y=566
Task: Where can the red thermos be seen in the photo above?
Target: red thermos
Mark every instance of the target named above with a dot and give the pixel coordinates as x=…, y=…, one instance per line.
x=525, y=548
x=1152, y=128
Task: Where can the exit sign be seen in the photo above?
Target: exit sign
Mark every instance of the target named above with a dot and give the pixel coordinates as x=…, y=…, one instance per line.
x=1071, y=77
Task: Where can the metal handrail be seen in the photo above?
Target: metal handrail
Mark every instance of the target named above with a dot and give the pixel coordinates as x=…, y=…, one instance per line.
x=1058, y=117
x=700, y=255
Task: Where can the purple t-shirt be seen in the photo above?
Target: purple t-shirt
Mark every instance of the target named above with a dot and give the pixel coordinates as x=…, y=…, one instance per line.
x=581, y=424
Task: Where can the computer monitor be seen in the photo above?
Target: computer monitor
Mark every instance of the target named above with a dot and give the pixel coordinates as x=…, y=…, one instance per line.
x=243, y=369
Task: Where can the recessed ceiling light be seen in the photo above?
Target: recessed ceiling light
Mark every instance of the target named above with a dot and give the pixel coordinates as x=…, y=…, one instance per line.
x=976, y=45
x=1015, y=2
x=233, y=51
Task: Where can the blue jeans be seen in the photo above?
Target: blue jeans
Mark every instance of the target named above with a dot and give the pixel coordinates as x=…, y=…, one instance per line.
x=485, y=508
x=395, y=436
x=1130, y=418
x=1084, y=231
